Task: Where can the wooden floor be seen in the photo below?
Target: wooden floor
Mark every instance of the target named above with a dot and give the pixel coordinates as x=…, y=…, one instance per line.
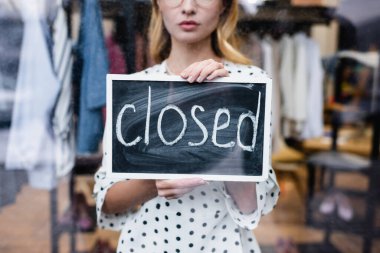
x=25, y=225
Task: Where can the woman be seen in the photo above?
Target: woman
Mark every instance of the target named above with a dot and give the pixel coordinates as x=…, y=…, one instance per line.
x=193, y=39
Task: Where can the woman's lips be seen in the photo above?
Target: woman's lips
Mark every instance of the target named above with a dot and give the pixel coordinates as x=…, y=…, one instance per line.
x=188, y=25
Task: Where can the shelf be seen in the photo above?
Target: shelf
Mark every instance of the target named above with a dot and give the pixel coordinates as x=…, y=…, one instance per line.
x=332, y=221
x=87, y=164
x=73, y=228
x=283, y=16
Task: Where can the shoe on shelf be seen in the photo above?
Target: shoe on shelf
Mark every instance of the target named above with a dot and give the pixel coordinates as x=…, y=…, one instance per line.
x=68, y=217
x=84, y=221
x=345, y=210
x=328, y=205
x=85, y=224
x=102, y=246
x=286, y=246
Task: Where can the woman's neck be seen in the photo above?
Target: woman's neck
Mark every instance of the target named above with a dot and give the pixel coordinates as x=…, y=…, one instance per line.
x=183, y=55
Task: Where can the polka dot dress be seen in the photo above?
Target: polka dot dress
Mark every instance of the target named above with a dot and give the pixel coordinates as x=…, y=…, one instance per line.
x=204, y=220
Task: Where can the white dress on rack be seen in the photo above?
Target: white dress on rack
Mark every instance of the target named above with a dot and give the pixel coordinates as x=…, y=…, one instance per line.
x=31, y=142
x=313, y=126
x=300, y=82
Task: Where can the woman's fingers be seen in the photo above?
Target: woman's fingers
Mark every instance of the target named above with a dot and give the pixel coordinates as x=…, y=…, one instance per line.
x=179, y=183
x=217, y=73
x=173, y=193
x=192, y=72
x=175, y=188
x=213, y=68
x=199, y=71
x=186, y=73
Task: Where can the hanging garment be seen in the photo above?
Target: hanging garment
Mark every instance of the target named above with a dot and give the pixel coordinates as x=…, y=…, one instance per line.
x=140, y=52
x=268, y=66
x=287, y=81
x=31, y=143
x=63, y=126
x=93, y=54
x=62, y=118
x=11, y=181
x=253, y=50
x=267, y=56
x=301, y=82
x=277, y=137
x=313, y=126
x=371, y=60
x=116, y=57
x=11, y=25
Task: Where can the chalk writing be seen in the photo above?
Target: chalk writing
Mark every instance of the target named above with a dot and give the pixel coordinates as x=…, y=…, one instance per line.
x=216, y=126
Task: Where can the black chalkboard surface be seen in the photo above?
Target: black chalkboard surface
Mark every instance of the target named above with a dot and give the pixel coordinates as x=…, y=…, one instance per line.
x=163, y=127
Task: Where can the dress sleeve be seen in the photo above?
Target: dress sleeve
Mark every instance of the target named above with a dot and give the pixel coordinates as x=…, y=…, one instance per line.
x=102, y=185
x=267, y=193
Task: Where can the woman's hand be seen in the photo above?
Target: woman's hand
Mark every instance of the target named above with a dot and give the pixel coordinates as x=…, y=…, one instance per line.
x=204, y=70
x=175, y=188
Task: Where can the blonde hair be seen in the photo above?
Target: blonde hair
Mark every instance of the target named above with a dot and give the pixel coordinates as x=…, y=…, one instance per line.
x=223, y=39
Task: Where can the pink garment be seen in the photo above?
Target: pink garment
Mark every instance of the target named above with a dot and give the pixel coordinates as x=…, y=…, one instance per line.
x=116, y=57
x=142, y=57
x=140, y=52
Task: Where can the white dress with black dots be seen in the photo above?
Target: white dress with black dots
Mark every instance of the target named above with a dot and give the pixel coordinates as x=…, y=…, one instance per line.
x=204, y=220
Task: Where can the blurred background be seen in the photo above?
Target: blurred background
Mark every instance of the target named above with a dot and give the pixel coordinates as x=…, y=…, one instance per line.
x=323, y=56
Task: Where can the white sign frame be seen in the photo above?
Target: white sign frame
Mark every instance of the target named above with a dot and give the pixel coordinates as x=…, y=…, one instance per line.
x=162, y=77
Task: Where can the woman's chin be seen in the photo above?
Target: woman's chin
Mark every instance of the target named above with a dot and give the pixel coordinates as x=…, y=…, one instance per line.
x=190, y=38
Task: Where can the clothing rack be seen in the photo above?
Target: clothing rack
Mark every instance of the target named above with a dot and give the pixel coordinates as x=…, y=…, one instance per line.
x=82, y=166
x=273, y=18
x=123, y=12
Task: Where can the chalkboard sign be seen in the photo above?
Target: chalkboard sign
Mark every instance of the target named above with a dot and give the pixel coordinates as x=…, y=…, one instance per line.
x=162, y=127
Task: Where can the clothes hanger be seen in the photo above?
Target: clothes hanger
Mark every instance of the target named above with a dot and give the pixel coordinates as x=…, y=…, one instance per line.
x=370, y=59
